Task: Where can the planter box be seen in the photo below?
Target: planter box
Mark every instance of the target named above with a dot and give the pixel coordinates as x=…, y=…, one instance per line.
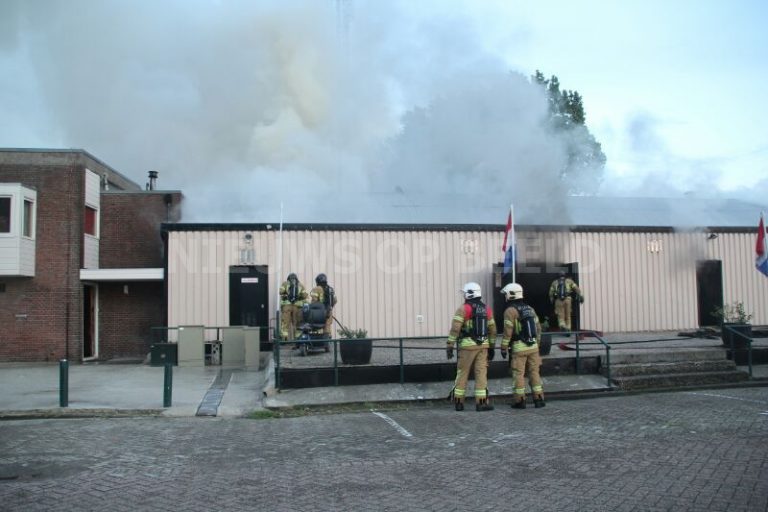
x=356, y=351
x=726, y=334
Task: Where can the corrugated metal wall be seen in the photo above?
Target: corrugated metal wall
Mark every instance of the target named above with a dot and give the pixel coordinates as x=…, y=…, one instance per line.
x=406, y=283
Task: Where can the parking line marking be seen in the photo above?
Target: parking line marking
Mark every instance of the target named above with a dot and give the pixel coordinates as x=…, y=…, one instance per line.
x=394, y=424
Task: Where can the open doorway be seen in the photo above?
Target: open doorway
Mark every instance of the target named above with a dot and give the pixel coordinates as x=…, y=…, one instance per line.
x=90, y=321
x=709, y=288
x=536, y=280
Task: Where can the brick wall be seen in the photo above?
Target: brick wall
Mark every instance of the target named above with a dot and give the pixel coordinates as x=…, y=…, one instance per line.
x=130, y=238
x=125, y=319
x=130, y=227
x=42, y=315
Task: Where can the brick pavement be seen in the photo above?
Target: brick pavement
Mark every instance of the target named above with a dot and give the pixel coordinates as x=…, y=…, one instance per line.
x=700, y=450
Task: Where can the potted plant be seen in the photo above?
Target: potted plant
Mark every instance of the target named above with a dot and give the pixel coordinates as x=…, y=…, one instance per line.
x=356, y=347
x=733, y=317
x=545, y=343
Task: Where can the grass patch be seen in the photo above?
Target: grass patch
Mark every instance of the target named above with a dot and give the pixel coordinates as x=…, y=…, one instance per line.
x=265, y=414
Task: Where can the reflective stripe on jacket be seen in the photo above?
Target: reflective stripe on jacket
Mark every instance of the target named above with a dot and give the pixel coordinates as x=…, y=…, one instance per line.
x=569, y=288
x=301, y=295
x=512, y=331
x=457, y=330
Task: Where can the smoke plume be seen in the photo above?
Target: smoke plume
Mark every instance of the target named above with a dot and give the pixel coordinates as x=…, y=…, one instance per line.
x=342, y=111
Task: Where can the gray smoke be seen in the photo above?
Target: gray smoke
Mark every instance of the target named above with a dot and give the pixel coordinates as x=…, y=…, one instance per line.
x=342, y=111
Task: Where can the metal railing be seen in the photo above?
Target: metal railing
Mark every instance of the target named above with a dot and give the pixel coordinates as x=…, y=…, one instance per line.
x=600, y=341
x=401, y=348
x=336, y=341
x=731, y=330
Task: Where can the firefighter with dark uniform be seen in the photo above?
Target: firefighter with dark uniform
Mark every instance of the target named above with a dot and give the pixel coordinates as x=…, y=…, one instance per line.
x=292, y=298
x=324, y=293
x=474, y=331
x=521, y=333
x=562, y=291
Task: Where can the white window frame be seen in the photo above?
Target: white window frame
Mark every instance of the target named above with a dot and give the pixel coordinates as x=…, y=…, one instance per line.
x=32, y=220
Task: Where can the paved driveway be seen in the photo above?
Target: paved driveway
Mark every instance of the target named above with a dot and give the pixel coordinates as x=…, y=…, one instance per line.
x=704, y=450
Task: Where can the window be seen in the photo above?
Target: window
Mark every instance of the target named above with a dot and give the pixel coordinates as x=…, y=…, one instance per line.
x=28, y=220
x=91, y=216
x=5, y=214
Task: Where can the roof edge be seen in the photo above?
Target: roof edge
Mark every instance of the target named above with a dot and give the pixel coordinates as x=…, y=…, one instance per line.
x=215, y=226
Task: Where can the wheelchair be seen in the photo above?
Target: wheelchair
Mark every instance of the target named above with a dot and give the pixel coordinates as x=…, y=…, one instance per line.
x=312, y=337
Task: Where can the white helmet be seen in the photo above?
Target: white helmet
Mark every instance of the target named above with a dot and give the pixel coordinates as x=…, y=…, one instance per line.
x=512, y=291
x=471, y=291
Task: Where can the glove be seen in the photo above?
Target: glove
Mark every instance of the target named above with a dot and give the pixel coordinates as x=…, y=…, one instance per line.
x=581, y=299
x=503, y=354
x=491, y=353
x=449, y=352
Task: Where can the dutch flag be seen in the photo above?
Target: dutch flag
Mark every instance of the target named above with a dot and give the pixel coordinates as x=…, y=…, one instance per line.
x=761, y=250
x=509, y=244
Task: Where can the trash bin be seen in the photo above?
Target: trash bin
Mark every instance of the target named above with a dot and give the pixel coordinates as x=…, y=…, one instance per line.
x=160, y=353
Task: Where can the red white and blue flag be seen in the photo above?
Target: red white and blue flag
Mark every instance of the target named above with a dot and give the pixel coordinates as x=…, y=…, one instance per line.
x=509, y=244
x=761, y=249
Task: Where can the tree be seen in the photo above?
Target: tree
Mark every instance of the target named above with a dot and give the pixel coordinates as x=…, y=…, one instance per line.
x=567, y=118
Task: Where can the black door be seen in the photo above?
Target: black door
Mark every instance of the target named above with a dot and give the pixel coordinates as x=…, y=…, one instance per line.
x=249, y=297
x=709, y=287
x=535, y=280
x=89, y=322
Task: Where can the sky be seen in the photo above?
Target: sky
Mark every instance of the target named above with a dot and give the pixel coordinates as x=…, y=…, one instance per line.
x=349, y=106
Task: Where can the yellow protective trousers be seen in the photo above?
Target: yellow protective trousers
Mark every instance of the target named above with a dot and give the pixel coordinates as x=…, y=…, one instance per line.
x=563, y=311
x=290, y=316
x=469, y=356
x=526, y=363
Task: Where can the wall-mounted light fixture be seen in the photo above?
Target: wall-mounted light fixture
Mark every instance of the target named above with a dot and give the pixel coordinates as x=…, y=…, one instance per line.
x=247, y=254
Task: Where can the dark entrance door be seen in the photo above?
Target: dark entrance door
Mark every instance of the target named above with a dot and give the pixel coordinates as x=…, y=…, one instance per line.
x=709, y=287
x=249, y=298
x=89, y=322
x=535, y=280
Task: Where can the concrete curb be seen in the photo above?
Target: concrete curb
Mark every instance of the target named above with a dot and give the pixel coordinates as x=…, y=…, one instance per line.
x=63, y=413
x=505, y=397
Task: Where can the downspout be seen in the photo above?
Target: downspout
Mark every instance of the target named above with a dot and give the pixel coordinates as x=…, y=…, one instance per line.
x=164, y=236
x=68, y=275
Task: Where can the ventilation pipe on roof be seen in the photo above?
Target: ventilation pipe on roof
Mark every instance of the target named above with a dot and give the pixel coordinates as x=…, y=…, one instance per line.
x=152, y=180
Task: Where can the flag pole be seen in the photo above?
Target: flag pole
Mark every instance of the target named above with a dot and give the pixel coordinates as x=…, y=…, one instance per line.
x=513, y=242
x=279, y=274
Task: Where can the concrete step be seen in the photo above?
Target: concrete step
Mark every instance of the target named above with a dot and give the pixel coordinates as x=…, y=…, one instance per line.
x=628, y=370
x=679, y=379
x=640, y=356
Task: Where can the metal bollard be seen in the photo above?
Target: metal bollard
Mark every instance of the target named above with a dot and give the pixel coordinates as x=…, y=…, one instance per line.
x=168, y=385
x=63, y=383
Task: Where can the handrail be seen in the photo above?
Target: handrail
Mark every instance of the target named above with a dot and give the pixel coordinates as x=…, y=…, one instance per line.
x=401, y=347
x=596, y=335
x=746, y=338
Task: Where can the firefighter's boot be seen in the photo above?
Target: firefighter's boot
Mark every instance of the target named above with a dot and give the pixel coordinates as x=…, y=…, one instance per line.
x=538, y=401
x=483, y=405
x=519, y=404
x=459, y=404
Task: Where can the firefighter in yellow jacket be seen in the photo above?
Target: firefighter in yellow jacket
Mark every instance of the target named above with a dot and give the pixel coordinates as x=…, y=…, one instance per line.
x=521, y=335
x=324, y=293
x=474, y=330
x=292, y=298
x=562, y=291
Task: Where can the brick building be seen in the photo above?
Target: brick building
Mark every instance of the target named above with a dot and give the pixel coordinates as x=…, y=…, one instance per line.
x=81, y=257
